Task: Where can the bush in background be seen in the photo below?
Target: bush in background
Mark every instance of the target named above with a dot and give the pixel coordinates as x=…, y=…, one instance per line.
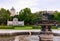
x=6, y=27
x=36, y=27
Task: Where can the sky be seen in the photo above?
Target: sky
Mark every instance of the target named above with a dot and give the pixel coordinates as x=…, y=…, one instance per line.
x=34, y=5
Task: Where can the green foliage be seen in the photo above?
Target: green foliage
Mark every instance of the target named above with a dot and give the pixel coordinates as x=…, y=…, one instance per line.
x=51, y=17
x=4, y=16
x=28, y=17
x=11, y=17
x=35, y=18
x=24, y=28
x=6, y=27
x=36, y=27
x=25, y=14
x=54, y=27
x=57, y=16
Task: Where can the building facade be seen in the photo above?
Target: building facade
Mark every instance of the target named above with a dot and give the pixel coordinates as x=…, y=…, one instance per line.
x=13, y=12
x=15, y=22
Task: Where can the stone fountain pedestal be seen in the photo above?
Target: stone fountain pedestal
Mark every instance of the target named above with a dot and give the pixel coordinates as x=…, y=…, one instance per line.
x=46, y=34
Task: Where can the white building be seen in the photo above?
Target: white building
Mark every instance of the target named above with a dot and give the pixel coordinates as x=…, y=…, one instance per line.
x=15, y=22
x=13, y=12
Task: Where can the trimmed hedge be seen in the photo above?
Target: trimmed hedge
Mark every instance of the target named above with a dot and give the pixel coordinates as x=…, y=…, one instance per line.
x=36, y=27
x=18, y=26
x=54, y=27
x=39, y=27
x=6, y=27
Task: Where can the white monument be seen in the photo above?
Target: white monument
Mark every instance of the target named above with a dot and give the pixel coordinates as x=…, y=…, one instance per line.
x=13, y=12
x=15, y=22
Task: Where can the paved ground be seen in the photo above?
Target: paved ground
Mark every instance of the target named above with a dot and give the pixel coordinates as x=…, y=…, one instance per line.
x=13, y=31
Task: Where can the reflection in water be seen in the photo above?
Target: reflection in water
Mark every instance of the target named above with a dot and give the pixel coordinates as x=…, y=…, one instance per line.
x=7, y=39
x=33, y=38
x=36, y=38
x=27, y=38
x=56, y=38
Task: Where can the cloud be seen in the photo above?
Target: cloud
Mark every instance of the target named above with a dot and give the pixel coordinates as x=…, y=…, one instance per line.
x=35, y=5
x=18, y=4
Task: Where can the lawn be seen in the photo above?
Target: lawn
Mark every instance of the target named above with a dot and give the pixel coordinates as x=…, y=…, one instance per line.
x=19, y=27
x=23, y=27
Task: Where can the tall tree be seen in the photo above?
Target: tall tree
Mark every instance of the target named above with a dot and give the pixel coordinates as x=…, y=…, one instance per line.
x=4, y=15
x=57, y=16
x=51, y=17
x=25, y=14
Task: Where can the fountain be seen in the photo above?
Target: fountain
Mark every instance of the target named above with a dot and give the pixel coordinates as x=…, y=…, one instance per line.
x=46, y=33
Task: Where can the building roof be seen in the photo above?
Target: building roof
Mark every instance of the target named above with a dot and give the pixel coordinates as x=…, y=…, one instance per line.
x=12, y=8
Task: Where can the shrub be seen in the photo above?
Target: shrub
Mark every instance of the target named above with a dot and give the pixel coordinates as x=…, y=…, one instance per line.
x=6, y=27
x=54, y=27
x=36, y=27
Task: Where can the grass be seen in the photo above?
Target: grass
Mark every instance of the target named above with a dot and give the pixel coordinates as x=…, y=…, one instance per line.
x=17, y=27
x=23, y=27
